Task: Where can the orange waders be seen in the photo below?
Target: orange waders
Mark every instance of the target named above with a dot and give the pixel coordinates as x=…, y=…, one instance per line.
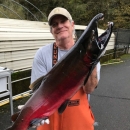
x=76, y=116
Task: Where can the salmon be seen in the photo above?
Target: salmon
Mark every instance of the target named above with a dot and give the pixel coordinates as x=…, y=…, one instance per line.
x=53, y=90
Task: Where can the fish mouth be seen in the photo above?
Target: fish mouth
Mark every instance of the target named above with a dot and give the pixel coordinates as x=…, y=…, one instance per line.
x=98, y=43
x=104, y=38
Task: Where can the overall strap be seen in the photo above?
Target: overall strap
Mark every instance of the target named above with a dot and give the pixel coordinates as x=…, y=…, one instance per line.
x=54, y=54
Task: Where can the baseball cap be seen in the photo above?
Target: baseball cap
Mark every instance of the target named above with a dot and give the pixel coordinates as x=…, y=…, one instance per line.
x=59, y=11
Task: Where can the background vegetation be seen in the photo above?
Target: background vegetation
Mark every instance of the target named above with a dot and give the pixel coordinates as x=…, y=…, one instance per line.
x=82, y=11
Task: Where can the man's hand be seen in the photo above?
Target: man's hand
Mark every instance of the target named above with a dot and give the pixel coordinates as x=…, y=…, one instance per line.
x=20, y=107
x=38, y=121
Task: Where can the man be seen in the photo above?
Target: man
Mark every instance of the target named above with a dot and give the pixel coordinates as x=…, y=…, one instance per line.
x=78, y=114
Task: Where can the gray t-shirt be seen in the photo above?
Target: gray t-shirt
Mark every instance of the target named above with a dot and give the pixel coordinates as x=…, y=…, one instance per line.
x=42, y=62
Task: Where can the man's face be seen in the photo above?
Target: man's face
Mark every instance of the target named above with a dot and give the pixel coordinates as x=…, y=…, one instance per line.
x=61, y=28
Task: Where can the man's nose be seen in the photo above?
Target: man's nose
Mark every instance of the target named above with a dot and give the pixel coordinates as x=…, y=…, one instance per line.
x=60, y=24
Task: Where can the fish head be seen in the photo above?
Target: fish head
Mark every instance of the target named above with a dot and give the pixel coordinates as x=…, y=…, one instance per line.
x=95, y=45
x=104, y=38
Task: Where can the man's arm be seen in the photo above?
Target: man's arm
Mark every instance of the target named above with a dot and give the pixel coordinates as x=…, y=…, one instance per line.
x=92, y=82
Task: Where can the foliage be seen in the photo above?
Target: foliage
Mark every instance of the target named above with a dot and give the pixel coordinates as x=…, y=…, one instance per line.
x=8, y=9
x=82, y=11
x=121, y=14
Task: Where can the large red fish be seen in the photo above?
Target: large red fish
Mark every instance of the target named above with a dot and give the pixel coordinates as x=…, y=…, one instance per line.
x=66, y=77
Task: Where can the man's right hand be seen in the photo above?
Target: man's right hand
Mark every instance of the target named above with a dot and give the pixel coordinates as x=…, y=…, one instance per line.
x=39, y=121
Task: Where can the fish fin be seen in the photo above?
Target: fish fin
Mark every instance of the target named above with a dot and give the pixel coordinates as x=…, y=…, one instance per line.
x=14, y=116
x=63, y=107
x=35, y=85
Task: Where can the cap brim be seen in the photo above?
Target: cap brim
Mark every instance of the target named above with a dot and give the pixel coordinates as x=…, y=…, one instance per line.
x=54, y=16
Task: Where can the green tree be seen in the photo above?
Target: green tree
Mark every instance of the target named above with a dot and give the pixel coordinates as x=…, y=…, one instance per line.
x=121, y=14
x=10, y=10
x=82, y=11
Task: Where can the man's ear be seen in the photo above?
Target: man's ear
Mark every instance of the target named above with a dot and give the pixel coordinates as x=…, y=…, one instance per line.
x=73, y=23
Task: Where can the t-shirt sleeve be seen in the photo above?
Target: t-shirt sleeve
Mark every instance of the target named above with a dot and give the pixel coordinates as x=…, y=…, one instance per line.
x=38, y=67
x=98, y=70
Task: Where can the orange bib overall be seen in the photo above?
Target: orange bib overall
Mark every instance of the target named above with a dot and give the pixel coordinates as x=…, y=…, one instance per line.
x=76, y=116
